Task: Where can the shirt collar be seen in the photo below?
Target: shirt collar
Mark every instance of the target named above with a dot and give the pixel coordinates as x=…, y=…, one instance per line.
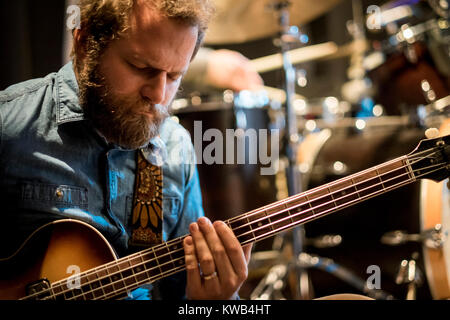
x=68, y=109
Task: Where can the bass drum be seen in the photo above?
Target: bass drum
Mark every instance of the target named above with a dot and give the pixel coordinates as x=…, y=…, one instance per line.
x=435, y=216
x=229, y=189
x=331, y=155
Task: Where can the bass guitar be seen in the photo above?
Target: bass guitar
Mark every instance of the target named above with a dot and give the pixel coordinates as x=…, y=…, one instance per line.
x=70, y=260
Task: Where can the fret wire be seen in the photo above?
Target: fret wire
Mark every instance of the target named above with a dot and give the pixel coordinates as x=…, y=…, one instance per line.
x=307, y=219
x=157, y=261
x=149, y=279
x=93, y=272
x=142, y=262
x=308, y=192
x=138, y=284
x=101, y=287
x=120, y=272
x=268, y=218
x=170, y=255
x=145, y=270
x=408, y=166
x=331, y=194
x=324, y=204
x=128, y=258
x=253, y=233
x=295, y=197
x=354, y=184
x=134, y=265
x=340, y=207
x=379, y=177
x=309, y=202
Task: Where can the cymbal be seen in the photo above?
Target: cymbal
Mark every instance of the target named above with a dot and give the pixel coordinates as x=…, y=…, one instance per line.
x=244, y=20
x=299, y=55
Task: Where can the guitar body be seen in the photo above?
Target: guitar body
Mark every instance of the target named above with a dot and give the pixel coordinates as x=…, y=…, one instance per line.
x=53, y=252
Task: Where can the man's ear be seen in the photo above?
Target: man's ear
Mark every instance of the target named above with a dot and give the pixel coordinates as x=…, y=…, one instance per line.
x=78, y=50
x=79, y=44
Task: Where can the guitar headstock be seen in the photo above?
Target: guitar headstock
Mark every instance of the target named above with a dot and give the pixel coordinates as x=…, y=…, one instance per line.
x=431, y=159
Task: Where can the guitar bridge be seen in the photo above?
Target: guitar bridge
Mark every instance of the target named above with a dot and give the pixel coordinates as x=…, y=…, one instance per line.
x=38, y=290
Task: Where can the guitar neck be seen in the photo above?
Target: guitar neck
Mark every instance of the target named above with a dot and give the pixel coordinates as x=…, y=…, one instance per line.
x=149, y=265
x=315, y=203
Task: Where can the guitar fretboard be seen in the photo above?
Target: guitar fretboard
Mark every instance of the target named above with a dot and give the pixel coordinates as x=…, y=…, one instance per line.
x=317, y=202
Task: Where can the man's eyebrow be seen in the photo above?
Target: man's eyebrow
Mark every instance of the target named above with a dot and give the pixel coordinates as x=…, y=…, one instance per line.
x=178, y=73
x=150, y=66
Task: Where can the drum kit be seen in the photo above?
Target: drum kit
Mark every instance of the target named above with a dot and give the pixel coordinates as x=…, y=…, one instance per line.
x=397, y=94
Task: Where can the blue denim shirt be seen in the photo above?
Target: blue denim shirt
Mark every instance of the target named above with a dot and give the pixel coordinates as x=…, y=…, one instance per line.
x=54, y=165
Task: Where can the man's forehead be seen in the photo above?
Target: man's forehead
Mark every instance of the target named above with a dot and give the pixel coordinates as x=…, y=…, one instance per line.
x=146, y=15
x=148, y=27
x=143, y=15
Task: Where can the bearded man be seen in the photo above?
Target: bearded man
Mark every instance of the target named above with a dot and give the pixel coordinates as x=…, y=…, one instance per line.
x=69, y=142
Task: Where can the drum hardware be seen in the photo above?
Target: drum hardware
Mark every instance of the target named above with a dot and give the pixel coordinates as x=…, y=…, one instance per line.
x=433, y=114
x=296, y=56
x=410, y=274
x=271, y=286
x=266, y=96
x=324, y=241
x=408, y=34
x=441, y=7
x=385, y=17
x=430, y=238
x=412, y=52
x=330, y=266
x=354, y=124
x=439, y=106
x=359, y=89
x=328, y=109
x=427, y=90
x=291, y=137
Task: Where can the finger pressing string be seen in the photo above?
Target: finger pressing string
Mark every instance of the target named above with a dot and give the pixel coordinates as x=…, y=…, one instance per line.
x=192, y=269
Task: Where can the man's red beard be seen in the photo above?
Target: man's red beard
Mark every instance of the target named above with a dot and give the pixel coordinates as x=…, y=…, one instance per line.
x=126, y=121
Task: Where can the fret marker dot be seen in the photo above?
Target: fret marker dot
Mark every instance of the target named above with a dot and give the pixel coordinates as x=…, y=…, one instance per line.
x=259, y=224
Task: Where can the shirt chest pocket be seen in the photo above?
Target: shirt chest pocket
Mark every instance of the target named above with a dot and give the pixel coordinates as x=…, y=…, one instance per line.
x=51, y=197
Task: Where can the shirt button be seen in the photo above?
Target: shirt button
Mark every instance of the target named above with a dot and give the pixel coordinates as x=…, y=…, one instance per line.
x=59, y=193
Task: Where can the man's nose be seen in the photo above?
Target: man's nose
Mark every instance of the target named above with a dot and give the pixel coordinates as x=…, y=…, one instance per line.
x=154, y=88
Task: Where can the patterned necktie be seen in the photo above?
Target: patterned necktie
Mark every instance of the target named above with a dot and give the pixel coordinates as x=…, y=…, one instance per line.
x=147, y=215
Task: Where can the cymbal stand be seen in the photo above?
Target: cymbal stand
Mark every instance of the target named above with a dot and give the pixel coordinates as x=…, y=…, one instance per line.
x=291, y=136
x=411, y=275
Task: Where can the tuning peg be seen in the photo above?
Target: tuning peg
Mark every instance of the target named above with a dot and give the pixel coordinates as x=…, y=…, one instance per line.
x=431, y=133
